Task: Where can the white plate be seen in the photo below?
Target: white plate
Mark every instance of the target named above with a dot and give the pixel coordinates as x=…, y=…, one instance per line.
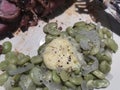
x=29, y=41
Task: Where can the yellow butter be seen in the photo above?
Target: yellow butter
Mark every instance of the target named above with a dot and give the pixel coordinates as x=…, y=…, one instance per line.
x=60, y=53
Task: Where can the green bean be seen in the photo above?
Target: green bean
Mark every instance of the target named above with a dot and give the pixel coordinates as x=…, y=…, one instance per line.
x=11, y=57
x=23, y=60
x=55, y=77
x=76, y=80
x=3, y=78
x=16, y=88
x=64, y=75
x=7, y=46
x=99, y=74
x=3, y=65
x=112, y=45
x=36, y=59
x=105, y=67
x=70, y=85
x=89, y=77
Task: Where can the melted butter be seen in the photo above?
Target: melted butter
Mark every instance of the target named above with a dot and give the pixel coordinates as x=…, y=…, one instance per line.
x=60, y=53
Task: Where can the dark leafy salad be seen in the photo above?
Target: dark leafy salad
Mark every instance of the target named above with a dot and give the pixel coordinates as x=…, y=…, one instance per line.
x=78, y=58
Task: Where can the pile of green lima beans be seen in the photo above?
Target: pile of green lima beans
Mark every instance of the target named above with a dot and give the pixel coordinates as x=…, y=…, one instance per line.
x=22, y=72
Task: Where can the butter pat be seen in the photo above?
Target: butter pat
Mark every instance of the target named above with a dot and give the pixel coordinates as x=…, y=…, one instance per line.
x=60, y=53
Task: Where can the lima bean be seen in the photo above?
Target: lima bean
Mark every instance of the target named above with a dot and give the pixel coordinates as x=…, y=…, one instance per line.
x=102, y=56
x=11, y=57
x=36, y=59
x=64, y=75
x=3, y=78
x=41, y=49
x=36, y=75
x=98, y=74
x=3, y=65
x=78, y=88
x=70, y=31
x=100, y=32
x=76, y=80
x=98, y=84
x=107, y=32
x=80, y=24
x=23, y=60
x=89, y=77
x=39, y=88
x=64, y=88
x=16, y=78
x=112, y=45
x=49, y=38
x=63, y=34
x=105, y=67
x=90, y=26
x=20, y=56
x=48, y=76
x=70, y=85
x=45, y=88
x=94, y=50
x=55, y=77
x=7, y=46
x=10, y=68
x=77, y=71
x=51, y=28
x=16, y=88
x=26, y=83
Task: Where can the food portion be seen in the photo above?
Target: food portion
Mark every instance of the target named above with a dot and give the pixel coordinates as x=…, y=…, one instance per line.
x=21, y=14
x=78, y=58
